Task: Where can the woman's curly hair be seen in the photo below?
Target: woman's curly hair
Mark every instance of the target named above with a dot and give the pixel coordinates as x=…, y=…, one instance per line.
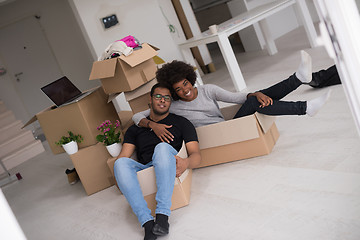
x=173, y=72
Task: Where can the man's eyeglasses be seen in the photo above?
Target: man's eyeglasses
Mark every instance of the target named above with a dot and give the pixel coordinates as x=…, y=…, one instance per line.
x=167, y=98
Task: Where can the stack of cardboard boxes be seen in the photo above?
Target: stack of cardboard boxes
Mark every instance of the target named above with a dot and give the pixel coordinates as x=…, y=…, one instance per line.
x=122, y=74
x=135, y=75
x=82, y=117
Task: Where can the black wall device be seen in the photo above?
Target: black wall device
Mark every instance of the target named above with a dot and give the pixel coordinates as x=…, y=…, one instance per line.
x=109, y=21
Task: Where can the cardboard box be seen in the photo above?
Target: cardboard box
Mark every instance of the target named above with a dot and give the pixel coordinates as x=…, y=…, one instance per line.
x=138, y=99
x=147, y=180
x=82, y=117
x=236, y=139
x=90, y=164
x=125, y=120
x=124, y=74
x=181, y=193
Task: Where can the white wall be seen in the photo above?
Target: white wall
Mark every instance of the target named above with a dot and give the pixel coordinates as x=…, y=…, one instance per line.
x=144, y=20
x=141, y=19
x=65, y=38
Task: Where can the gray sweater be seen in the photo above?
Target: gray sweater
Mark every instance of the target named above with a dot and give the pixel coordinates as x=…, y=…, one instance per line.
x=204, y=109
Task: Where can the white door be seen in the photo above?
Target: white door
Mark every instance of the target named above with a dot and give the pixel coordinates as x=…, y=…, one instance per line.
x=340, y=31
x=30, y=62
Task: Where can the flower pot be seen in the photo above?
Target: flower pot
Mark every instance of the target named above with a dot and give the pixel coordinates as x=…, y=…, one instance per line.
x=114, y=149
x=71, y=147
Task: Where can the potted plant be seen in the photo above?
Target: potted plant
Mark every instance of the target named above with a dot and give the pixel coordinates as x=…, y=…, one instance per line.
x=110, y=136
x=70, y=143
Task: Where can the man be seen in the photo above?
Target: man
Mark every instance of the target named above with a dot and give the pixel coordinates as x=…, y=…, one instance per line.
x=152, y=152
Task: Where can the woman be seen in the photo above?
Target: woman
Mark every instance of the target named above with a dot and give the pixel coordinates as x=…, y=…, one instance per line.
x=199, y=104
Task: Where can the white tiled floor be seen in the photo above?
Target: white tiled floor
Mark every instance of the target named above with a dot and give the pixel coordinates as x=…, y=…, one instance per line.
x=307, y=188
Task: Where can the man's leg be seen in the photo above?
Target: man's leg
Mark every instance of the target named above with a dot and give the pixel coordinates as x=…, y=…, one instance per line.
x=125, y=171
x=164, y=163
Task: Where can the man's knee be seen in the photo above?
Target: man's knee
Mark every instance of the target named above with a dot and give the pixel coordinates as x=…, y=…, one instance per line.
x=121, y=164
x=162, y=147
x=162, y=152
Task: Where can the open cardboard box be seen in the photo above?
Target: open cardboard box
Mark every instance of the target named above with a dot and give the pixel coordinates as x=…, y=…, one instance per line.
x=138, y=99
x=123, y=73
x=236, y=139
x=147, y=180
x=81, y=117
x=90, y=164
x=125, y=120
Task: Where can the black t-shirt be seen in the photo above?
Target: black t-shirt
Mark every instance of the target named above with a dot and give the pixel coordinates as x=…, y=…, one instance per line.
x=145, y=139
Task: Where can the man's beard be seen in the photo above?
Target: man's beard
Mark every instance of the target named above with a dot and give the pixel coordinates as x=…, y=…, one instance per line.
x=159, y=113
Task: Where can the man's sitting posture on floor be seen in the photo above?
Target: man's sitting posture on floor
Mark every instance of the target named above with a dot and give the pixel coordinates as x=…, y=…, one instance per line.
x=152, y=152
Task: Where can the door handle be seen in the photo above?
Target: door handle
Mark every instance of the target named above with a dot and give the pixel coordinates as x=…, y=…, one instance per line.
x=17, y=76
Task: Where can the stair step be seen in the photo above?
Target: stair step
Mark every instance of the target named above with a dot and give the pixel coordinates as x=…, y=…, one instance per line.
x=10, y=131
x=6, y=118
x=17, y=142
x=19, y=156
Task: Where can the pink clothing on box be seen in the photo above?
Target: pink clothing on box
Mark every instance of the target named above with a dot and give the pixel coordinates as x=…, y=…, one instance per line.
x=129, y=41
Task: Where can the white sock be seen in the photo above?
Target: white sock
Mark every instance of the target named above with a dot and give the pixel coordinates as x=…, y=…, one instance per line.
x=314, y=105
x=304, y=72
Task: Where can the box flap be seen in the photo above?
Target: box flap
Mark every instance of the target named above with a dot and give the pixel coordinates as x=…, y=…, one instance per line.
x=34, y=118
x=265, y=121
x=147, y=180
x=228, y=132
x=139, y=56
x=155, y=48
x=182, y=152
x=103, y=69
x=144, y=89
x=112, y=97
x=229, y=111
x=183, y=176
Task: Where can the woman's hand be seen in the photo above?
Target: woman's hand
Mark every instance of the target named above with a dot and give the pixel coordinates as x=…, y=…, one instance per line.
x=161, y=131
x=181, y=165
x=263, y=99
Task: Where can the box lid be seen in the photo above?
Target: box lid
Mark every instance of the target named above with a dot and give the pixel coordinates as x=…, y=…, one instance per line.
x=144, y=89
x=147, y=180
x=103, y=69
x=228, y=132
x=34, y=118
x=140, y=56
x=147, y=177
x=265, y=121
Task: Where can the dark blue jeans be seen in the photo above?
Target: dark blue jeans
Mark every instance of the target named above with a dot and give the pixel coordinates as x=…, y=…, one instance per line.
x=324, y=78
x=276, y=92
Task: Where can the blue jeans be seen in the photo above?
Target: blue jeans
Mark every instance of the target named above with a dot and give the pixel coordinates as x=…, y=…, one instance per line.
x=276, y=92
x=164, y=162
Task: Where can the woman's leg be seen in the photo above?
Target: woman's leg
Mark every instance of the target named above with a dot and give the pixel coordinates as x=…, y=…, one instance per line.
x=310, y=107
x=252, y=105
x=283, y=88
x=324, y=78
x=302, y=75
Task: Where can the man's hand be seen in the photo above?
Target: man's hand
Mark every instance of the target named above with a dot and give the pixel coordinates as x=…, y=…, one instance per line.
x=181, y=165
x=161, y=131
x=263, y=99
